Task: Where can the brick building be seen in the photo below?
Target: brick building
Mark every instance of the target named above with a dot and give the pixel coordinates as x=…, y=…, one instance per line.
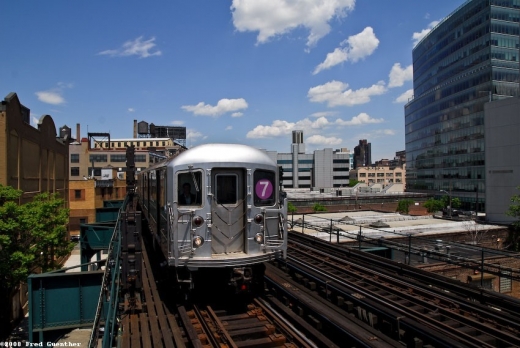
x=33, y=160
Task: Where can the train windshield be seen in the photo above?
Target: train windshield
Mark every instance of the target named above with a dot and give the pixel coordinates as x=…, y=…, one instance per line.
x=190, y=185
x=264, y=187
x=227, y=188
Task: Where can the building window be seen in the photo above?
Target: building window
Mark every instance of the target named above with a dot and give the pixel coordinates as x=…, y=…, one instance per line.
x=140, y=158
x=77, y=194
x=74, y=158
x=362, y=175
x=97, y=158
x=74, y=171
x=505, y=281
x=117, y=158
x=97, y=171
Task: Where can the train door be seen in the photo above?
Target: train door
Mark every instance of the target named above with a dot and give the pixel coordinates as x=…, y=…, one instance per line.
x=228, y=211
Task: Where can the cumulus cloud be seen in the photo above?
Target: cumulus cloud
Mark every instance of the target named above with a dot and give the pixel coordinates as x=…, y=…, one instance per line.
x=177, y=123
x=321, y=140
x=379, y=133
x=223, y=106
x=358, y=120
x=54, y=96
x=398, y=76
x=405, y=97
x=283, y=128
x=137, y=47
x=323, y=114
x=416, y=37
x=237, y=114
x=278, y=17
x=357, y=47
x=131, y=110
x=229, y=128
x=194, y=135
x=336, y=93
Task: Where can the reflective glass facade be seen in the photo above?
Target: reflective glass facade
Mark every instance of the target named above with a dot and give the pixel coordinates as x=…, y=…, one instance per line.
x=468, y=59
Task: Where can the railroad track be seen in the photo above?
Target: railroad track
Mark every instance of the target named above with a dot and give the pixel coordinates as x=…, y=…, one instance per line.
x=431, y=316
x=150, y=324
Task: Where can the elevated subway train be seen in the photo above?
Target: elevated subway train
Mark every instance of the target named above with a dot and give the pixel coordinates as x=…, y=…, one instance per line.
x=217, y=210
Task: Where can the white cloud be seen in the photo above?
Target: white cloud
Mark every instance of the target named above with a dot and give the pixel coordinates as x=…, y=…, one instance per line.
x=357, y=47
x=323, y=114
x=281, y=128
x=34, y=120
x=376, y=134
x=416, y=37
x=137, y=47
x=223, y=106
x=321, y=140
x=277, y=17
x=358, y=120
x=336, y=93
x=237, y=114
x=229, y=128
x=405, y=97
x=131, y=110
x=177, y=123
x=54, y=96
x=50, y=97
x=398, y=76
x=194, y=135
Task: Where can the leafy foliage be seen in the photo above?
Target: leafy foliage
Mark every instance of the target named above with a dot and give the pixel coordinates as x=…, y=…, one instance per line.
x=432, y=205
x=291, y=208
x=403, y=205
x=352, y=182
x=32, y=235
x=318, y=207
x=514, y=209
x=455, y=202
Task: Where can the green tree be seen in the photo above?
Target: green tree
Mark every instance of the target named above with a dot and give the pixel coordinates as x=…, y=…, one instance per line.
x=403, y=205
x=352, y=182
x=514, y=209
x=318, y=207
x=32, y=235
x=455, y=202
x=291, y=208
x=432, y=205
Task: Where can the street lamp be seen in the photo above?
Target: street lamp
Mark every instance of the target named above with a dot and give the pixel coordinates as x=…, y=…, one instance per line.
x=449, y=201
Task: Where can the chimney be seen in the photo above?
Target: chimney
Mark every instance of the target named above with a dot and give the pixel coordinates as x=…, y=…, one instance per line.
x=135, y=129
x=77, y=133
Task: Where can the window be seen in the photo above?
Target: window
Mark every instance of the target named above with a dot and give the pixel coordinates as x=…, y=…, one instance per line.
x=74, y=158
x=74, y=171
x=505, y=281
x=97, y=171
x=264, y=188
x=189, y=191
x=77, y=194
x=226, y=189
x=97, y=158
x=140, y=158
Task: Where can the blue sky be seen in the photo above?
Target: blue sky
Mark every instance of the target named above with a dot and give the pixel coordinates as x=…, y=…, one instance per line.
x=235, y=71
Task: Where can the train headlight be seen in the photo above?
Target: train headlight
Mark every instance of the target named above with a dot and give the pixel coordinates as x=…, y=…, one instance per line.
x=198, y=241
x=259, y=238
x=259, y=218
x=197, y=221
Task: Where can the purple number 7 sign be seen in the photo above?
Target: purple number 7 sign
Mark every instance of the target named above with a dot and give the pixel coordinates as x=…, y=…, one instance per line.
x=264, y=188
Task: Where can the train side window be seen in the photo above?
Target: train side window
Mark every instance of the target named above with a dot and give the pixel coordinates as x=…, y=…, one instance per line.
x=189, y=191
x=264, y=188
x=226, y=188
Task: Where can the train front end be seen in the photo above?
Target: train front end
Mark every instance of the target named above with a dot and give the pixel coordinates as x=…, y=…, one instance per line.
x=227, y=214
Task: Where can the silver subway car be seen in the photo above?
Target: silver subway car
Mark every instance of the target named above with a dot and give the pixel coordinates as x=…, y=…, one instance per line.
x=216, y=206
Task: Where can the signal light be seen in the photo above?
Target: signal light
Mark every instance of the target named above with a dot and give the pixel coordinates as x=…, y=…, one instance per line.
x=198, y=241
x=259, y=238
x=259, y=218
x=197, y=221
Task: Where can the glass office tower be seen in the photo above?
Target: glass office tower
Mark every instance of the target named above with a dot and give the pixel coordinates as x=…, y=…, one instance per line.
x=467, y=60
